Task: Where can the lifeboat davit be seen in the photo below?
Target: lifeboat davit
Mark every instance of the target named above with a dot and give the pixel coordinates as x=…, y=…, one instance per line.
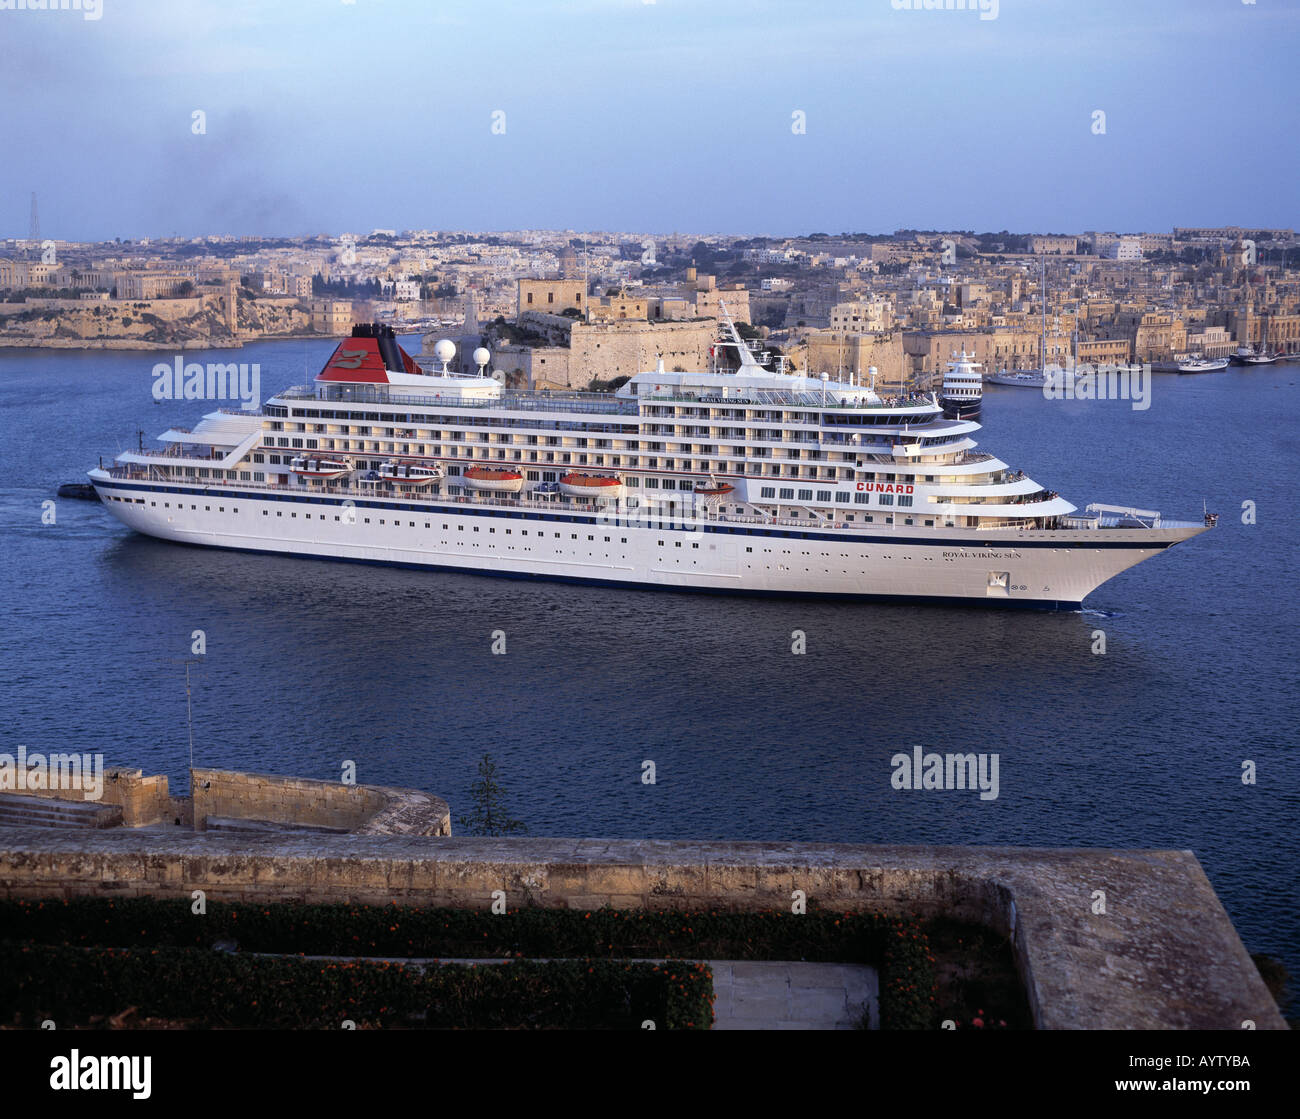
x=410, y=473
x=591, y=486
x=493, y=481
x=306, y=467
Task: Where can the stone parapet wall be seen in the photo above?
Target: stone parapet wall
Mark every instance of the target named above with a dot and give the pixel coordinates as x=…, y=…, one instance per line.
x=366, y=809
x=1164, y=955
x=143, y=800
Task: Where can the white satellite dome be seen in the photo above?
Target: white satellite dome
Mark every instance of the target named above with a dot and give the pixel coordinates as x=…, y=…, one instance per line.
x=482, y=356
x=444, y=350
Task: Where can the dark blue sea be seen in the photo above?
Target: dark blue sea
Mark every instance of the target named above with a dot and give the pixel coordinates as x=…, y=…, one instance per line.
x=311, y=663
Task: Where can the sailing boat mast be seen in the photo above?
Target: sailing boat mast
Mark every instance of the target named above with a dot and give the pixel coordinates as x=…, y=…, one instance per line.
x=1042, y=295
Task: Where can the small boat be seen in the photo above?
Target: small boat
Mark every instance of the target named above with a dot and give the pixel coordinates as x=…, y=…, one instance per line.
x=493, y=481
x=1243, y=354
x=306, y=467
x=963, y=388
x=591, y=486
x=411, y=473
x=1263, y=357
x=714, y=489
x=1018, y=378
x=79, y=491
x=1197, y=364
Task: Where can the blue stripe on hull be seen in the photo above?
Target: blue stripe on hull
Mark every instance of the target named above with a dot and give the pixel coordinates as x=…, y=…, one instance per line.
x=628, y=584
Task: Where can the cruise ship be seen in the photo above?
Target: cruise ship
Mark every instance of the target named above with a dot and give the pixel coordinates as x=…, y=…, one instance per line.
x=738, y=479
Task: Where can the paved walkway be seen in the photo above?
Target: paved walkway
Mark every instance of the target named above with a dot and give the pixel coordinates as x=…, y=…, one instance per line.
x=763, y=995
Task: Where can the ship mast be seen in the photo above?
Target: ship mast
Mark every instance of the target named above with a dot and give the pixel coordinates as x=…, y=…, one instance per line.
x=746, y=356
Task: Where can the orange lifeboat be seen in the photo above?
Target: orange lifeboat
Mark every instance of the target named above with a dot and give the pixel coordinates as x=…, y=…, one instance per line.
x=715, y=489
x=493, y=481
x=591, y=486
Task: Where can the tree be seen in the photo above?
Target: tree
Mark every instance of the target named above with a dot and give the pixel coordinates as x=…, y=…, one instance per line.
x=488, y=816
x=597, y=385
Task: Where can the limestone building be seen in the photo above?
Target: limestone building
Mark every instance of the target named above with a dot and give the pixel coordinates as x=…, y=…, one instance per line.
x=551, y=296
x=331, y=316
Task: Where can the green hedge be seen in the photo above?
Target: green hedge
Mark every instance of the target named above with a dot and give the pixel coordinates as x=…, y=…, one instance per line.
x=894, y=945
x=71, y=986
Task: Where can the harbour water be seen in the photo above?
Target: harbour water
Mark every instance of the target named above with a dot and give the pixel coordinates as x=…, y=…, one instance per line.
x=309, y=664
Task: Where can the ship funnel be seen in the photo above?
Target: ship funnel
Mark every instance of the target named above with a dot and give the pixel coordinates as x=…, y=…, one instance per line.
x=385, y=339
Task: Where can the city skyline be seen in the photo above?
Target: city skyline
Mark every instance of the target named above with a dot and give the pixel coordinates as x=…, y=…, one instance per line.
x=658, y=117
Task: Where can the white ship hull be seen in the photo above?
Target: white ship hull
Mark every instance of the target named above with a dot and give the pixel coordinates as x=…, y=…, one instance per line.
x=1049, y=569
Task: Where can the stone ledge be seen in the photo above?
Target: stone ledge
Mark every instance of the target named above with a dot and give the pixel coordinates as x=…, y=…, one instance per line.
x=1164, y=956
x=361, y=809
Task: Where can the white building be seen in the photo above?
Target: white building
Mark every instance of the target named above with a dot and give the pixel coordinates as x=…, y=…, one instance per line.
x=768, y=256
x=1126, y=248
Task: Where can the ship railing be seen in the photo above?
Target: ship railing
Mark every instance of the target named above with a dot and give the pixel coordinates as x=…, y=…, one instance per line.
x=768, y=397
x=517, y=400
x=1003, y=523
x=164, y=453
x=648, y=515
x=789, y=522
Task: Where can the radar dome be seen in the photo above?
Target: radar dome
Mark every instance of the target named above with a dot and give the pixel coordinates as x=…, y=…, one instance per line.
x=482, y=356
x=444, y=350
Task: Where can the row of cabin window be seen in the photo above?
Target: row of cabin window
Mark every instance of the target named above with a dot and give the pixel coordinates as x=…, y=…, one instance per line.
x=841, y=498
x=461, y=528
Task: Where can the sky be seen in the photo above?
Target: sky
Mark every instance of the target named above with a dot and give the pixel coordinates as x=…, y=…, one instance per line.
x=329, y=116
